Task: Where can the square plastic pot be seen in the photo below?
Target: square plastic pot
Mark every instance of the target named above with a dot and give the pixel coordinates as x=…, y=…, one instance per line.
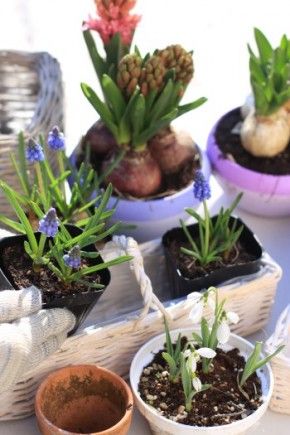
x=182, y=286
x=80, y=304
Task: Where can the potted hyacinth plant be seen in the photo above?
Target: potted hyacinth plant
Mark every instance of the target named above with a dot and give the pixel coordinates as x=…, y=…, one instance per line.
x=152, y=164
x=202, y=378
x=44, y=186
x=60, y=260
x=249, y=146
x=212, y=250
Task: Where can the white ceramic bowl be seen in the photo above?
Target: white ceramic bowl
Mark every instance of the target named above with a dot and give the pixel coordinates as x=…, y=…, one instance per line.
x=163, y=426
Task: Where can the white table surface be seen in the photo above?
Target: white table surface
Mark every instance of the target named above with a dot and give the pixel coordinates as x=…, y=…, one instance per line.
x=218, y=32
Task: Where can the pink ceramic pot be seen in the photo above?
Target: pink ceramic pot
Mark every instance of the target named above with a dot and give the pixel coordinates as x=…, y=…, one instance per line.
x=265, y=195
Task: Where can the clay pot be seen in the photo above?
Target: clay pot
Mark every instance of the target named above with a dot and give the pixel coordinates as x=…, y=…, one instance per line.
x=83, y=399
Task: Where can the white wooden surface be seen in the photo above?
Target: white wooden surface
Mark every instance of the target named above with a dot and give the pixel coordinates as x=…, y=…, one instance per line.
x=218, y=32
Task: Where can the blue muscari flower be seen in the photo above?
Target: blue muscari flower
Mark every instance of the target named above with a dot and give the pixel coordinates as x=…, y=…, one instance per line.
x=73, y=258
x=201, y=189
x=48, y=225
x=34, y=152
x=55, y=139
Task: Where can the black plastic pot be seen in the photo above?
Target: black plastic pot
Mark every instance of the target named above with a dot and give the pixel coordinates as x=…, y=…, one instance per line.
x=182, y=286
x=79, y=304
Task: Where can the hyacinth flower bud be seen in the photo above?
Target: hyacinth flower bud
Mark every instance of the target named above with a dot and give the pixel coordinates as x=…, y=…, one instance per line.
x=56, y=140
x=34, y=152
x=73, y=258
x=48, y=225
x=201, y=188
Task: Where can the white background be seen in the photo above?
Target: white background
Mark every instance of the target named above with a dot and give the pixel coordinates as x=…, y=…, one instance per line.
x=217, y=31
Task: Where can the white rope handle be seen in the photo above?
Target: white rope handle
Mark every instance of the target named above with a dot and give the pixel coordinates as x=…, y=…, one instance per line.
x=129, y=246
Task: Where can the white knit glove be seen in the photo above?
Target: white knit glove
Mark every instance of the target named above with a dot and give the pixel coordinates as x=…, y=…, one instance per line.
x=27, y=333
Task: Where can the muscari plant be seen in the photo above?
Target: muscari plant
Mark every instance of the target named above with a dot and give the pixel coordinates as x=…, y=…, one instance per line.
x=266, y=130
x=216, y=238
x=182, y=361
x=59, y=251
x=43, y=189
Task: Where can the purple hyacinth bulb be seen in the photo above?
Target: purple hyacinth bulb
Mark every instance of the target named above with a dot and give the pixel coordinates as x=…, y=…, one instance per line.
x=73, y=258
x=48, y=225
x=56, y=140
x=34, y=152
x=201, y=189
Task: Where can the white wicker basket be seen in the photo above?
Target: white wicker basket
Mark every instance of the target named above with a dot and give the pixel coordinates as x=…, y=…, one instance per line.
x=117, y=327
x=31, y=100
x=280, y=401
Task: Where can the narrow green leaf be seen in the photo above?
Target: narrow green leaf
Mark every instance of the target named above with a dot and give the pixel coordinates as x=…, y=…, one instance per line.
x=97, y=61
x=15, y=226
x=101, y=108
x=190, y=106
x=114, y=97
x=264, y=46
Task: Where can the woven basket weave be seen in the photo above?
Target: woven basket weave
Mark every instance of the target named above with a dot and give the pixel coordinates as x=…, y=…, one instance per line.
x=117, y=327
x=31, y=100
x=280, y=400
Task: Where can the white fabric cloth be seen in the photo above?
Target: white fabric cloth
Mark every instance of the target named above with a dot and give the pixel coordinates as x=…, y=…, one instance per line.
x=28, y=334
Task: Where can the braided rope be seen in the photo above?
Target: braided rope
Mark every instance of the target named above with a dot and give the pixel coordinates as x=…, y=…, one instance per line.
x=130, y=247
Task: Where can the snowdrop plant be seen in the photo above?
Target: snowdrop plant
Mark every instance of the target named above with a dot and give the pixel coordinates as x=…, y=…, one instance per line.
x=190, y=360
x=216, y=238
x=217, y=330
x=191, y=383
x=255, y=362
x=182, y=364
x=172, y=354
x=42, y=189
x=56, y=249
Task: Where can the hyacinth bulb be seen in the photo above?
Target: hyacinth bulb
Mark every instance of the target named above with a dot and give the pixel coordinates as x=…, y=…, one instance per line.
x=287, y=108
x=137, y=174
x=266, y=136
x=99, y=138
x=172, y=150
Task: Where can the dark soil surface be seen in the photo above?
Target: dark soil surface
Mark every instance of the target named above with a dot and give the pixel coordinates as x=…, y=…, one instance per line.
x=222, y=403
x=190, y=268
x=230, y=145
x=170, y=183
x=18, y=266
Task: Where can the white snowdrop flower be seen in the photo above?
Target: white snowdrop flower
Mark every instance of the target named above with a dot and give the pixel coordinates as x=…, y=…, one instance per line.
x=232, y=317
x=196, y=383
x=187, y=353
x=211, y=302
x=194, y=296
x=192, y=362
x=223, y=332
x=206, y=352
x=196, y=312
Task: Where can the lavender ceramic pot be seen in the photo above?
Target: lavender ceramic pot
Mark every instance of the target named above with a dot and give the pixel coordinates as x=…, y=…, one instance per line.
x=264, y=195
x=152, y=218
